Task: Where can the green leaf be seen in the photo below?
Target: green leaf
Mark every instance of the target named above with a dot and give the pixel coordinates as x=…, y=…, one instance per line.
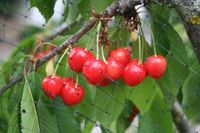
x=72, y=11
x=100, y=5
x=109, y=102
x=14, y=123
x=84, y=8
x=29, y=118
x=144, y=94
x=46, y=7
x=191, y=94
x=176, y=57
x=123, y=121
x=66, y=120
x=48, y=123
x=157, y=120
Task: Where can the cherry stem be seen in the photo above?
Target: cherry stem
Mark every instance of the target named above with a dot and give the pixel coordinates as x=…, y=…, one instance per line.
x=44, y=43
x=76, y=85
x=102, y=54
x=97, y=43
x=140, y=47
x=142, y=41
x=57, y=65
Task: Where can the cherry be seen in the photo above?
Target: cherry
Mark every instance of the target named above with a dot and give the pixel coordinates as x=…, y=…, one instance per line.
x=155, y=66
x=134, y=112
x=52, y=86
x=133, y=73
x=40, y=54
x=114, y=69
x=121, y=55
x=66, y=80
x=77, y=58
x=72, y=94
x=105, y=82
x=94, y=70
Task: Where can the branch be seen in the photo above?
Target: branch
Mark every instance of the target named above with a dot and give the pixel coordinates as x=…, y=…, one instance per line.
x=61, y=29
x=181, y=120
x=117, y=8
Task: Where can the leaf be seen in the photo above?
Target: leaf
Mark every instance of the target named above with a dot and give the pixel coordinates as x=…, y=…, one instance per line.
x=84, y=8
x=100, y=5
x=29, y=118
x=157, y=120
x=72, y=11
x=143, y=94
x=14, y=125
x=46, y=7
x=65, y=117
x=191, y=94
x=48, y=123
x=109, y=102
x=176, y=57
x=123, y=121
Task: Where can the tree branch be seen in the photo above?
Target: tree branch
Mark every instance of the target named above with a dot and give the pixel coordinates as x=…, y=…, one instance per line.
x=117, y=8
x=181, y=120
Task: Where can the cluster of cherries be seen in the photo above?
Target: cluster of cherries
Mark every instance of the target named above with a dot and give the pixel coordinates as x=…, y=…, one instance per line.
x=118, y=65
x=97, y=72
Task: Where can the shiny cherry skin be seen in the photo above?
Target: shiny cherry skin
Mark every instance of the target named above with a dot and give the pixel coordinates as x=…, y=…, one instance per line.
x=72, y=94
x=66, y=80
x=121, y=55
x=52, y=86
x=156, y=66
x=77, y=57
x=40, y=54
x=134, y=74
x=114, y=69
x=94, y=70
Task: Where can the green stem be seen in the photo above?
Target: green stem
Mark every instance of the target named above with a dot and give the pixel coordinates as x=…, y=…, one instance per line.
x=76, y=81
x=97, y=43
x=57, y=65
x=140, y=49
x=102, y=54
x=142, y=41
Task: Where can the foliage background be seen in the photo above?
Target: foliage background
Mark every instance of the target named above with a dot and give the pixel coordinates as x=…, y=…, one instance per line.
x=24, y=108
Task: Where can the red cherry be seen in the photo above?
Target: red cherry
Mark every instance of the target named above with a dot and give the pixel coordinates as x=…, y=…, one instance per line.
x=105, y=82
x=52, y=86
x=40, y=54
x=94, y=70
x=77, y=58
x=155, y=66
x=72, y=95
x=133, y=74
x=134, y=112
x=66, y=80
x=114, y=69
x=121, y=55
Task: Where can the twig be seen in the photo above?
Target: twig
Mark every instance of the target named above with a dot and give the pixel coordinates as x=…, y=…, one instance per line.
x=117, y=8
x=180, y=119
